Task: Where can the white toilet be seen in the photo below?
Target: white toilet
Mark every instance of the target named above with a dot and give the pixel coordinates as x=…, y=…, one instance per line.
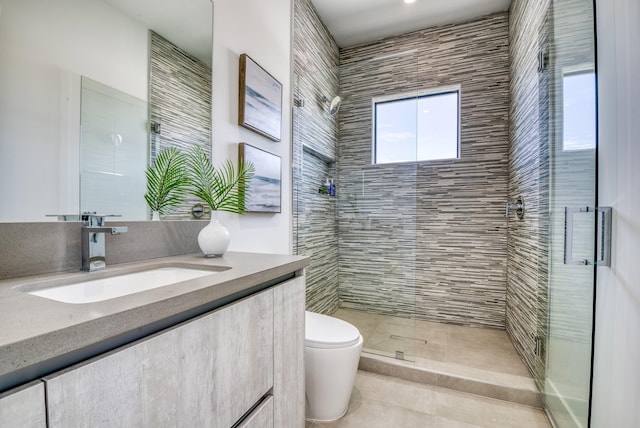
x=332, y=352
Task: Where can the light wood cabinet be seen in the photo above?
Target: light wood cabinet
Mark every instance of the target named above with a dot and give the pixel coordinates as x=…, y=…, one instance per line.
x=207, y=372
x=23, y=407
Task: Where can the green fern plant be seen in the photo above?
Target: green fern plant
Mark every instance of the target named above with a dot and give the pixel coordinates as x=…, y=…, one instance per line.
x=224, y=188
x=167, y=180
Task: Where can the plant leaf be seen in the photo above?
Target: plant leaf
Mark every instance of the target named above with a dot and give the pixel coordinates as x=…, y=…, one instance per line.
x=167, y=180
x=223, y=189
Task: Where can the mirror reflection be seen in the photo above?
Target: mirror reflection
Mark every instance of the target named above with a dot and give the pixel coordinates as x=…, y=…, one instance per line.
x=91, y=90
x=113, y=151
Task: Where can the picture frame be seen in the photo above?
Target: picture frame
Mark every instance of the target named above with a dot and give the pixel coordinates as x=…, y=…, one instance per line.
x=265, y=187
x=259, y=100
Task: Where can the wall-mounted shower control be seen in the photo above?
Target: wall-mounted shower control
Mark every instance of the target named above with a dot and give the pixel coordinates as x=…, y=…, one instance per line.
x=518, y=206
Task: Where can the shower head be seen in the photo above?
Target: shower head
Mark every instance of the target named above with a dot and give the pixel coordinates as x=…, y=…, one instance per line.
x=335, y=105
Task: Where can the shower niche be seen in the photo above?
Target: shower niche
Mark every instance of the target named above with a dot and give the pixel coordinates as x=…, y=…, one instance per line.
x=319, y=164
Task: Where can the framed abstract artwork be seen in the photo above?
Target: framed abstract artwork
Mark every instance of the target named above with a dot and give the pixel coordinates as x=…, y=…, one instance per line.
x=265, y=186
x=260, y=100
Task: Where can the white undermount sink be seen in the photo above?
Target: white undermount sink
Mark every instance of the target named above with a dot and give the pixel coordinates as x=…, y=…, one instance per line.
x=109, y=287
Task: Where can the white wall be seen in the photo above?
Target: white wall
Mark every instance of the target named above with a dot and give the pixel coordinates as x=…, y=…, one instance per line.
x=261, y=29
x=42, y=58
x=616, y=385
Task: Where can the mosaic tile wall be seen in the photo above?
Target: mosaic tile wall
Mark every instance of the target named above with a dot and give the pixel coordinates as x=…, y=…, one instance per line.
x=314, y=156
x=528, y=163
x=180, y=101
x=427, y=240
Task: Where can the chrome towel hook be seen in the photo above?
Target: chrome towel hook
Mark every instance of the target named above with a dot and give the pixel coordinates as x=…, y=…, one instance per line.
x=518, y=205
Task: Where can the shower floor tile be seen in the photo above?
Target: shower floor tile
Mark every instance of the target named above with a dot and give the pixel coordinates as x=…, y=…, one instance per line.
x=479, y=353
x=382, y=401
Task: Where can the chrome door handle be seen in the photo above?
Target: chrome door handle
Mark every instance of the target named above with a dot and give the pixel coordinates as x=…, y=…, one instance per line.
x=603, y=247
x=568, y=235
x=603, y=233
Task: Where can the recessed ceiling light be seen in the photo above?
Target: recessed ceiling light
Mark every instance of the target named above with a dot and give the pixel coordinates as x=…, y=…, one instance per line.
x=409, y=1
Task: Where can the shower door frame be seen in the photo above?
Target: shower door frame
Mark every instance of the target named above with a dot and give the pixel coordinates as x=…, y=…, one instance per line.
x=551, y=75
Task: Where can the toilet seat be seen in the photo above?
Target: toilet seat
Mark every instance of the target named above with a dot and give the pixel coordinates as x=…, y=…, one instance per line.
x=325, y=332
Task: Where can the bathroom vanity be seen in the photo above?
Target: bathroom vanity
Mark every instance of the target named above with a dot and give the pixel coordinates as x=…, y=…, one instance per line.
x=224, y=349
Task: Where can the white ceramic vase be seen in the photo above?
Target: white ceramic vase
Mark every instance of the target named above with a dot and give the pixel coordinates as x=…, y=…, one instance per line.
x=214, y=238
x=155, y=216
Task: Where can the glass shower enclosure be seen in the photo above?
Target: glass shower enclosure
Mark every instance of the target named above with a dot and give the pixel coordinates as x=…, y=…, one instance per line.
x=574, y=225
x=361, y=236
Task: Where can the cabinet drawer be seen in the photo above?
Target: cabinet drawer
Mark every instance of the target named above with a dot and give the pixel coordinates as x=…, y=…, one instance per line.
x=261, y=417
x=23, y=407
x=206, y=372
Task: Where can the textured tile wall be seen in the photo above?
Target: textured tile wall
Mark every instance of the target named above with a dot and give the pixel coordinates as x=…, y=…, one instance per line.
x=314, y=156
x=180, y=101
x=427, y=240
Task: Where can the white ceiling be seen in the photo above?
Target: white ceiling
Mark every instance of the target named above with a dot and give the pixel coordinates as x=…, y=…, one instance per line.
x=186, y=23
x=353, y=22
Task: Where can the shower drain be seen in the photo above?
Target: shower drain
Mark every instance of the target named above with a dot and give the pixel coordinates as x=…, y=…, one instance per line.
x=412, y=339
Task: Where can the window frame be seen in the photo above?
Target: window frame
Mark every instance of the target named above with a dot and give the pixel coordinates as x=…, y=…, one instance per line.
x=441, y=90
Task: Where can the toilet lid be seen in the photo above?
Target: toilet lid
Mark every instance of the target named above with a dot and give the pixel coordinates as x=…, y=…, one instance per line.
x=322, y=331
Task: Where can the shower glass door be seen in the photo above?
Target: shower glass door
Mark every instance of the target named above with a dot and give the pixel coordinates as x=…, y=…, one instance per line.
x=377, y=212
x=361, y=237
x=568, y=61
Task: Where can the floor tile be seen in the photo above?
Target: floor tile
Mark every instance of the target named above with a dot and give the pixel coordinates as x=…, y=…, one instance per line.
x=397, y=392
x=376, y=414
x=487, y=412
x=382, y=401
x=469, y=349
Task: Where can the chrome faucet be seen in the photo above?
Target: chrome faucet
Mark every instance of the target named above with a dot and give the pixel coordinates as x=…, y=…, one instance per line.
x=93, y=240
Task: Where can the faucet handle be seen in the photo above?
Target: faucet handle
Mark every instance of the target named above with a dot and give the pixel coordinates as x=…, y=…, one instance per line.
x=65, y=217
x=96, y=220
x=119, y=230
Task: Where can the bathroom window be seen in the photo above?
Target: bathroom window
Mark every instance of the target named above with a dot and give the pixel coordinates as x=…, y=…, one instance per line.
x=417, y=127
x=578, y=109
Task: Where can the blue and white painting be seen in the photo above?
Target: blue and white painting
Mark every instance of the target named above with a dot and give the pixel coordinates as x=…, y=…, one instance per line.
x=264, y=187
x=262, y=101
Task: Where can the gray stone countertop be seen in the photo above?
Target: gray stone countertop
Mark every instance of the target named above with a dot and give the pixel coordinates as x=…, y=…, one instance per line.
x=35, y=330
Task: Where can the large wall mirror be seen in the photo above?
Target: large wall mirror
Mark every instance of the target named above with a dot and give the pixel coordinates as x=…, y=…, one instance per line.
x=90, y=92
